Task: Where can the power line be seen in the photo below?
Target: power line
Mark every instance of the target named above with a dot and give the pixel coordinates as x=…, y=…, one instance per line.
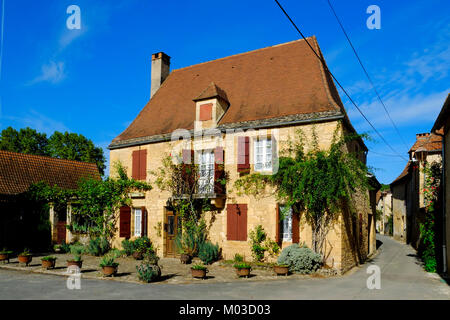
x=338, y=83
x=367, y=74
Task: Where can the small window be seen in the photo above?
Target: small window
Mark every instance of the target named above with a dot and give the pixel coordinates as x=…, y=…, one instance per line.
x=137, y=222
x=206, y=170
x=263, y=155
x=286, y=224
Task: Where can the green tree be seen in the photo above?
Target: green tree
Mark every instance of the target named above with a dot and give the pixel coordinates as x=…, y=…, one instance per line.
x=26, y=140
x=74, y=146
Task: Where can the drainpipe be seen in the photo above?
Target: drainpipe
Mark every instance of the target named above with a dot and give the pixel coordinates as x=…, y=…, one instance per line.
x=444, y=209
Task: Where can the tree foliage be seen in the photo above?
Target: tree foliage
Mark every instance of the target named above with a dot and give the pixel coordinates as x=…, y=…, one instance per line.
x=320, y=183
x=70, y=146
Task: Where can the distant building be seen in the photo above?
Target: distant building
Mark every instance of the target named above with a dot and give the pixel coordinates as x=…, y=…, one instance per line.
x=384, y=204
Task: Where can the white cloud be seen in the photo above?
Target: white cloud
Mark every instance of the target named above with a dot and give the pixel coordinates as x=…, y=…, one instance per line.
x=52, y=72
x=38, y=121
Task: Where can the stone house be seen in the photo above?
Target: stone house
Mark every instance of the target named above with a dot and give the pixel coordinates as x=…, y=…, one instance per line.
x=21, y=223
x=239, y=111
x=408, y=205
x=384, y=204
x=442, y=127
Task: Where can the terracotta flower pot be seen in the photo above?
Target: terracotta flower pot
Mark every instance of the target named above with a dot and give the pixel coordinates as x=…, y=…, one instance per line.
x=25, y=259
x=196, y=273
x=4, y=257
x=185, y=258
x=109, y=270
x=280, y=270
x=79, y=264
x=243, y=272
x=48, y=264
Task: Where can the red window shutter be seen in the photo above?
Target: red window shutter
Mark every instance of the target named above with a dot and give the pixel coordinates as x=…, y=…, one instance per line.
x=277, y=224
x=219, y=170
x=205, y=112
x=231, y=222
x=242, y=222
x=187, y=155
x=243, y=154
x=125, y=222
x=135, y=165
x=143, y=164
x=144, y=222
x=295, y=227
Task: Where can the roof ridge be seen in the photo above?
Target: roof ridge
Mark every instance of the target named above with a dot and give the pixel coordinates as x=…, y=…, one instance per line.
x=46, y=157
x=243, y=53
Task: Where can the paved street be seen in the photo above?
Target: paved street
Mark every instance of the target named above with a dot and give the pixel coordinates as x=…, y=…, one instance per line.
x=401, y=278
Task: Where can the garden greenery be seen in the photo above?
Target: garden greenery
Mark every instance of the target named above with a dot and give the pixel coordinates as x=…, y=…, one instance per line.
x=95, y=201
x=319, y=183
x=300, y=259
x=260, y=243
x=426, y=250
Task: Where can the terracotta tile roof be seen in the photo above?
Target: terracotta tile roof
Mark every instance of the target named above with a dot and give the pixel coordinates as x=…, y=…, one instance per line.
x=427, y=142
x=277, y=81
x=18, y=171
x=402, y=175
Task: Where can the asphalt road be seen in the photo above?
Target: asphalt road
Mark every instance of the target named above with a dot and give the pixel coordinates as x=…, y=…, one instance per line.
x=401, y=277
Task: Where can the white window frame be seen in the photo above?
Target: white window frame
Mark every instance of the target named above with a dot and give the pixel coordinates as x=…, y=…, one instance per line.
x=263, y=160
x=286, y=224
x=206, y=171
x=137, y=222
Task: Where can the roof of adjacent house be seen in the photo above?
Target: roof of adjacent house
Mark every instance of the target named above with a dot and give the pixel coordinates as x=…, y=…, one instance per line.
x=427, y=142
x=402, y=175
x=18, y=171
x=285, y=81
x=443, y=115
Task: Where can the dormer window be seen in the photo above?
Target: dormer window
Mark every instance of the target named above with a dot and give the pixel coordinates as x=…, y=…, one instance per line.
x=210, y=106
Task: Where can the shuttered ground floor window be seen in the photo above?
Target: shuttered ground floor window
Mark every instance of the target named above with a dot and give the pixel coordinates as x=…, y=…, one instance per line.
x=237, y=222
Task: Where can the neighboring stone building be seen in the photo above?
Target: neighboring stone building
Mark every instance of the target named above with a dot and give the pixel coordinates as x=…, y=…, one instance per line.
x=442, y=126
x=248, y=105
x=21, y=223
x=384, y=204
x=407, y=190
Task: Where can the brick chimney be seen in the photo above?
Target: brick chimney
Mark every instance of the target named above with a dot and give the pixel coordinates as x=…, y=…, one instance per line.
x=160, y=70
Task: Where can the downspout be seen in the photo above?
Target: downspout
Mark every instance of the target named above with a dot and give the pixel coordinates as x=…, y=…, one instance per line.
x=444, y=209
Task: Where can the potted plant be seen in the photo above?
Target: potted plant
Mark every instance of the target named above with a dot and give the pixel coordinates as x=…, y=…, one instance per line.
x=186, y=247
x=25, y=257
x=5, y=254
x=48, y=262
x=109, y=266
x=57, y=248
x=199, y=271
x=281, y=269
x=76, y=251
x=242, y=269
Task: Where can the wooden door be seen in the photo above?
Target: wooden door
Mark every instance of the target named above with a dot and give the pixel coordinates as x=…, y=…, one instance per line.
x=60, y=232
x=170, y=229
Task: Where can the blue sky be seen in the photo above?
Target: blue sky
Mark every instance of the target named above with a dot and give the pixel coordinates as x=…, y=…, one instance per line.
x=95, y=80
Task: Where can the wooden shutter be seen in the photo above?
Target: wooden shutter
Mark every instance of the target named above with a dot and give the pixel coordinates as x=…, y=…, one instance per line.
x=243, y=154
x=143, y=164
x=295, y=227
x=242, y=222
x=143, y=222
x=187, y=155
x=135, y=165
x=277, y=225
x=219, y=170
x=231, y=222
x=125, y=222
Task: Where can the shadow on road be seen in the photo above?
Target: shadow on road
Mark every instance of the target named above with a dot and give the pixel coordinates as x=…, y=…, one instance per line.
x=379, y=243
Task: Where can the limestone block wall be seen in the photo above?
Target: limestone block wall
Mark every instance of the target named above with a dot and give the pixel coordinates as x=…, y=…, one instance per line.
x=260, y=211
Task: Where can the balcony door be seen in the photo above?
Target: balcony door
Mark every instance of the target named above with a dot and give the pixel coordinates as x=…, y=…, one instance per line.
x=206, y=171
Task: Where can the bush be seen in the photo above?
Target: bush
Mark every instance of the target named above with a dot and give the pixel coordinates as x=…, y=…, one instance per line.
x=238, y=258
x=148, y=272
x=208, y=252
x=300, y=259
x=242, y=265
x=98, y=246
x=76, y=250
x=65, y=248
x=108, y=261
x=128, y=247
